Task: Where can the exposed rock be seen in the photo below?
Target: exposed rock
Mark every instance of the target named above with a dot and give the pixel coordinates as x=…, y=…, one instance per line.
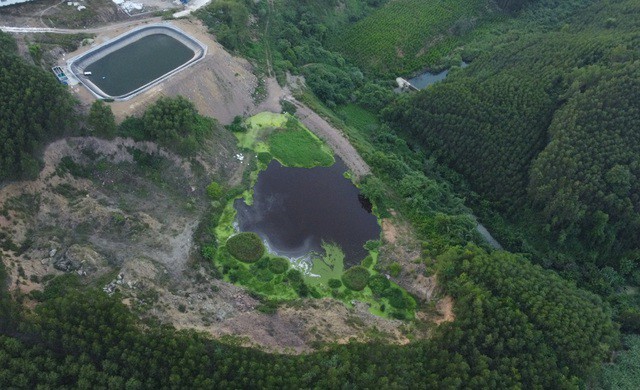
x=79, y=258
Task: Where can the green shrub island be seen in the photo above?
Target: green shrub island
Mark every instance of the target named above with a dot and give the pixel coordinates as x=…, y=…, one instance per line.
x=356, y=278
x=246, y=246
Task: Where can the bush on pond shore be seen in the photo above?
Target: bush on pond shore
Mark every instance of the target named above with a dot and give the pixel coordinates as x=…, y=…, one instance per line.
x=278, y=265
x=356, y=278
x=246, y=247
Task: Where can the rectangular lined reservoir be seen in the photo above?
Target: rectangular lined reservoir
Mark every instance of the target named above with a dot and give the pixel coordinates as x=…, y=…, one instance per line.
x=135, y=61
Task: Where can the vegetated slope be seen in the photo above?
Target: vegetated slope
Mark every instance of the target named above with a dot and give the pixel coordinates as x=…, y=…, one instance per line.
x=85, y=338
x=573, y=84
x=401, y=36
x=625, y=373
x=586, y=182
x=34, y=108
x=519, y=301
x=288, y=36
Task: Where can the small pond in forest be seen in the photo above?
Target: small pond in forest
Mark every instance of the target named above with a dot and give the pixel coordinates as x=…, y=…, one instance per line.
x=427, y=78
x=295, y=209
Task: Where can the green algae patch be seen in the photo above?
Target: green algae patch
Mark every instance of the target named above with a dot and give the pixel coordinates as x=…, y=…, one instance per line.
x=257, y=126
x=327, y=266
x=267, y=119
x=283, y=137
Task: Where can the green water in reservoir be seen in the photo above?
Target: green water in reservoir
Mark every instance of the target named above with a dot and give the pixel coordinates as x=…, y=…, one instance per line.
x=138, y=63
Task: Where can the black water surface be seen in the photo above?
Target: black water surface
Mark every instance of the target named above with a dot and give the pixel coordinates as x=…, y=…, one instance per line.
x=295, y=209
x=138, y=63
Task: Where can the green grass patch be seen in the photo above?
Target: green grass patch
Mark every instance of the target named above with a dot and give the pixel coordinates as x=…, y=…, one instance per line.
x=295, y=146
x=284, y=138
x=328, y=266
x=358, y=117
x=356, y=278
x=246, y=246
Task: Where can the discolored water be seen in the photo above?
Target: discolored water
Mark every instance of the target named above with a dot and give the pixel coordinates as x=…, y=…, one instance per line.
x=138, y=63
x=295, y=209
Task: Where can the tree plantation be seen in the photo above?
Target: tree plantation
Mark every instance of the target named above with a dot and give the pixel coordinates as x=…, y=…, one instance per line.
x=34, y=108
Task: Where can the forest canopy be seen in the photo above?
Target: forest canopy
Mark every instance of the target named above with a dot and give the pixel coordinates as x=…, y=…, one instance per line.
x=34, y=108
x=543, y=125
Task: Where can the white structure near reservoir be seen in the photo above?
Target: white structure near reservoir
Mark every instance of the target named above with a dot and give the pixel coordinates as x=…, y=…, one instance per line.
x=11, y=2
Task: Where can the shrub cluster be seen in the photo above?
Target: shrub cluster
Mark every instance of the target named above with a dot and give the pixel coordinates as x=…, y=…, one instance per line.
x=356, y=278
x=246, y=246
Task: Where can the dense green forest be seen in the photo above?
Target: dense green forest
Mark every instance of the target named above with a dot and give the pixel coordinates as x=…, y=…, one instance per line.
x=171, y=122
x=34, y=109
x=544, y=126
x=83, y=338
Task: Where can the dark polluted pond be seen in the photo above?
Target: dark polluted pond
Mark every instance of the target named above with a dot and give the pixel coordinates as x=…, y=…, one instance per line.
x=295, y=209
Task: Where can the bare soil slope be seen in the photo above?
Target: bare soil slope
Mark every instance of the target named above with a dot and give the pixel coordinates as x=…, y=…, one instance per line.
x=121, y=214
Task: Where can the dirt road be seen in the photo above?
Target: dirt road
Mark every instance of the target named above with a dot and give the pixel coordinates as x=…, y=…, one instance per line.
x=96, y=30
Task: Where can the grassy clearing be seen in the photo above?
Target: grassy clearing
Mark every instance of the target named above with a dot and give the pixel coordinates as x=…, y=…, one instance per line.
x=295, y=146
x=358, y=117
x=284, y=138
x=406, y=35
